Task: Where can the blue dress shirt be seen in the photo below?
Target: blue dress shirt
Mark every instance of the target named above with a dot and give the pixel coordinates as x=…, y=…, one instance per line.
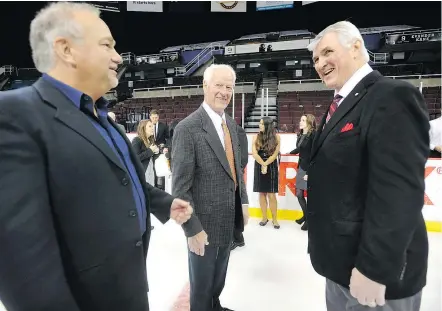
x=112, y=137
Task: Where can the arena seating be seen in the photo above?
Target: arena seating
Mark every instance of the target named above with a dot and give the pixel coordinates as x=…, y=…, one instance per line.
x=177, y=107
x=292, y=105
x=432, y=96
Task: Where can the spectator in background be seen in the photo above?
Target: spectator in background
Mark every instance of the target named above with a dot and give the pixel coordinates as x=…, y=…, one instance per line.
x=145, y=148
x=161, y=130
x=436, y=138
x=304, y=142
x=113, y=118
x=265, y=150
x=161, y=135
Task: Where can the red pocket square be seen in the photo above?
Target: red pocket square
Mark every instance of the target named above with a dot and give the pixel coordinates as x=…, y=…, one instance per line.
x=347, y=127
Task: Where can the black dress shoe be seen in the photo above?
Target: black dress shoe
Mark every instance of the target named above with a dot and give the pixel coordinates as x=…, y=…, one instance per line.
x=300, y=221
x=304, y=227
x=226, y=309
x=236, y=244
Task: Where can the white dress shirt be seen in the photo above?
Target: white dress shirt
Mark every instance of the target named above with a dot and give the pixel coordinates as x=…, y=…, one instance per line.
x=217, y=122
x=435, y=133
x=360, y=74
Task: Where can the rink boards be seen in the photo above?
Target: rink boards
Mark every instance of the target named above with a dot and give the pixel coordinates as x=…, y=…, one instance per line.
x=288, y=207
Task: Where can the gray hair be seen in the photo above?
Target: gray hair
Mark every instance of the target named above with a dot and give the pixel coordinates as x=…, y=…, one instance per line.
x=208, y=73
x=57, y=19
x=347, y=34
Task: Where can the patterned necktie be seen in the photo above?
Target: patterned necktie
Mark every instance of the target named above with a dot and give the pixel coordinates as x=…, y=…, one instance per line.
x=333, y=107
x=229, y=150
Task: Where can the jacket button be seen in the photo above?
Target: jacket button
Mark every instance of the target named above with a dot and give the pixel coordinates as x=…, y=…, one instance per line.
x=132, y=213
x=125, y=181
x=138, y=244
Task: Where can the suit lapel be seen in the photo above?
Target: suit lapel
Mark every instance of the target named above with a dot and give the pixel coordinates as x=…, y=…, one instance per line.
x=72, y=117
x=344, y=108
x=213, y=140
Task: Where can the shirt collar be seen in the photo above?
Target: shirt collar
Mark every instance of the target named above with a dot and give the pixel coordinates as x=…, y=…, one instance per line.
x=216, y=118
x=77, y=97
x=360, y=74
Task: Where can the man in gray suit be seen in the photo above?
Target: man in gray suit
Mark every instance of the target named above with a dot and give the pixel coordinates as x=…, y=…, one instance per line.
x=207, y=173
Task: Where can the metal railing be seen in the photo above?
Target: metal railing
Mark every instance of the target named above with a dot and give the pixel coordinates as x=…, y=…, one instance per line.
x=157, y=58
x=182, y=87
x=379, y=58
x=8, y=70
x=129, y=58
x=199, y=59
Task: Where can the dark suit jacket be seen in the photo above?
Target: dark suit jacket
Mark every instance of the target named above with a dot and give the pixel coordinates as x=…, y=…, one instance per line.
x=304, y=149
x=144, y=153
x=68, y=221
x=244, y=146
x=202, y=176
x=163, y=134
x=366, y=194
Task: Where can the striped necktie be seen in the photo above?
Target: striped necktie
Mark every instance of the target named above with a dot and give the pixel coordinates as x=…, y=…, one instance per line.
x=333, y=107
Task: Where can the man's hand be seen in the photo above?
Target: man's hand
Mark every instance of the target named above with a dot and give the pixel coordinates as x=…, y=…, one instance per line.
x=438, y=148
x=180, y=211
x=245, y=213
x=367, y=292
x=198, y=242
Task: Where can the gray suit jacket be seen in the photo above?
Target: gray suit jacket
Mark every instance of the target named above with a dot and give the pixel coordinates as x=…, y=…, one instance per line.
x=201, y=175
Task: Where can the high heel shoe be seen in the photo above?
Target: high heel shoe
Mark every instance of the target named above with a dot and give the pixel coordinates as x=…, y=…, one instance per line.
x=263, y=223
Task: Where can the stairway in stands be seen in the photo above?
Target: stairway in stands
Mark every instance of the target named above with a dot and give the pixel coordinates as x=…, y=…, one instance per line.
x=260, y=108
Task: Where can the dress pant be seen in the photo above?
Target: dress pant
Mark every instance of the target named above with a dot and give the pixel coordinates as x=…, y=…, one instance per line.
x=338, y=298
x=207, y=276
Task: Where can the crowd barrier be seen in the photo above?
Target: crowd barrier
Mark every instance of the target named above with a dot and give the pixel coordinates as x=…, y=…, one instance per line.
x=288, y=206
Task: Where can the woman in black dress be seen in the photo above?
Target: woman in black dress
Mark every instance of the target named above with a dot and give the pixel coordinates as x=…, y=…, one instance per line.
x=265, y=148
x=304, y=142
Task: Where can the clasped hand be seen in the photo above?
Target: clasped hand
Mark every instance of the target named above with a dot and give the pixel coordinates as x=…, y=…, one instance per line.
x=180, y=211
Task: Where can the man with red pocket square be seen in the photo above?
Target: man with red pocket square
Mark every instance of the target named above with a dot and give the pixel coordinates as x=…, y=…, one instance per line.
x=367, y=234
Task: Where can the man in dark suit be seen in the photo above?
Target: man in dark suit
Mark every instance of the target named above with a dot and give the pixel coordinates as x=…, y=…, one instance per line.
x=75, y=207
x=238, y=237
x=161, y=130
x=207, y=172
x=367, y=234
x=161, y=135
